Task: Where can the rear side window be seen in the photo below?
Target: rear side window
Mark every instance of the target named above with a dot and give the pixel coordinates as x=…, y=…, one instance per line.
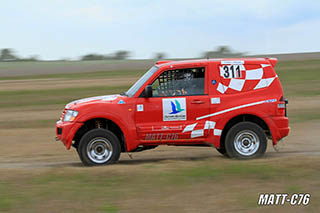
x=236, y=78
x=180, y=82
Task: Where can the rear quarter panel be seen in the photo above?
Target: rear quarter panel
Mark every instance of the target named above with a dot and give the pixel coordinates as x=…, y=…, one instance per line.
x=233, y=102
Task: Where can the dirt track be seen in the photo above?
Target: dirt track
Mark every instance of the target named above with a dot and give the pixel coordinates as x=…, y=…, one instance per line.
x=40, y=150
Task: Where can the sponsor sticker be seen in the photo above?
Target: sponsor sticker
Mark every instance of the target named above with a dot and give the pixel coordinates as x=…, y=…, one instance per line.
x=166, y=128
x=161, y=136
x=217, y=132
x=215, y=100
x=140, y=108
x=121, y=102
x=270, y=101
x=232, y=62
x=174, y=109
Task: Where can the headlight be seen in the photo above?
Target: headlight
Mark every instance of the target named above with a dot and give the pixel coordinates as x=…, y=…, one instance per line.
x=70, y=115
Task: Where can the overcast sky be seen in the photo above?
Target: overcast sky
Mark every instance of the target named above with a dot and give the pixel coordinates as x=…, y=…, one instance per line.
x=55, y=29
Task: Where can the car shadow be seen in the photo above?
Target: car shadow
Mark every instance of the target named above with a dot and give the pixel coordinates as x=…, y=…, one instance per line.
x=160, y=159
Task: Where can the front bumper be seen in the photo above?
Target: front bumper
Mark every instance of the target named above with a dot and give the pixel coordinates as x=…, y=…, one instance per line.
x=65, y=132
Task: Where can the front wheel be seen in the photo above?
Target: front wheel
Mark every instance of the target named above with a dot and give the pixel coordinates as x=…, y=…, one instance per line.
x=99, y=147
x=246, y=140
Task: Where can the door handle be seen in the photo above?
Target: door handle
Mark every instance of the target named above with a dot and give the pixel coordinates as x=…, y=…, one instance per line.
x=197, y=102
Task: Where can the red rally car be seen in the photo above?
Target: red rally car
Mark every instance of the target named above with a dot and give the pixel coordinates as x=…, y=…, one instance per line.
x=231, y=104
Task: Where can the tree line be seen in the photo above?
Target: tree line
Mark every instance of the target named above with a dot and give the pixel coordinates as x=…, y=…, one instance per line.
x=8, y=54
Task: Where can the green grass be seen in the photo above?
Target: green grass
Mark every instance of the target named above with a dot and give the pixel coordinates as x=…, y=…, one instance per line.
x=109, y=208
x=297, y=63
x=303, y=115
x=104, y=189
x=218, y=173
x=82, y=75
x=6, y=200
x=28, y=124
x=300, y=78
x=238, y=169
x=65, y=91
x=294, y=189
x=23, y=98
x=72, y=69
x=67, y=65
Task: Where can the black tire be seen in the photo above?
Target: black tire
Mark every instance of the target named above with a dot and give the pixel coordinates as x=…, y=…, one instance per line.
x=246, y=140
x=104, y=145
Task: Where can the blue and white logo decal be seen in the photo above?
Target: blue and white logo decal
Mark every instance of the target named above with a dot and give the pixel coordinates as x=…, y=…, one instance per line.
x=174, y=109
x=121, y=102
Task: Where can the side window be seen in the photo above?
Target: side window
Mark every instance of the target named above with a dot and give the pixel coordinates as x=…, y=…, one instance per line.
x=180, y=82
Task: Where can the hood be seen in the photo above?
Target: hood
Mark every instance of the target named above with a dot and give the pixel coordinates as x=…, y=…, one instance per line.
x=105, y=98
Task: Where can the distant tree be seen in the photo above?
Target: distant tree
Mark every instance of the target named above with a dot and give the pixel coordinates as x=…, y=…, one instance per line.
x=65, y=59
x=33, y=58
x=7, y=55
x=91, y=57
x=159, y=56
x=222, y=52
x=121, y=55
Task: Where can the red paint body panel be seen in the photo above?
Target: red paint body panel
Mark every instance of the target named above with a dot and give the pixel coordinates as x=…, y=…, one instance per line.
x=253, y=89
x=68, y=132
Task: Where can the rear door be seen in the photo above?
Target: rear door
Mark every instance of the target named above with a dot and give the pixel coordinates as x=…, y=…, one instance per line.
x=180, y=96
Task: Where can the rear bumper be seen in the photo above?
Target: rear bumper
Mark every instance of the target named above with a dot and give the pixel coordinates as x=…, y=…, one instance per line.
x=65, y=132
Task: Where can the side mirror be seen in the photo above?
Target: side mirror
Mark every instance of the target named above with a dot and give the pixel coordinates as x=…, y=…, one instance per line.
x=148, y=91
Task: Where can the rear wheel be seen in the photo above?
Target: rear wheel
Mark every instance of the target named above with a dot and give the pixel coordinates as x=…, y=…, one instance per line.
x=246, y=140
x=99, y=147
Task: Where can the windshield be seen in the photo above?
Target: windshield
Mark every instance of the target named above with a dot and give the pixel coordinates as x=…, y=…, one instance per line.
x=141, y=81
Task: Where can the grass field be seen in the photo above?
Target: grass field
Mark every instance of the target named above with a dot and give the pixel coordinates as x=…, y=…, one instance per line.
x=14, y=69
x=38, y=174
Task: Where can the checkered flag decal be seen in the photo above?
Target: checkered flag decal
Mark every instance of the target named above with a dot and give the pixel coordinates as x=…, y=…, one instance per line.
x=256, y=78
x=200, y=132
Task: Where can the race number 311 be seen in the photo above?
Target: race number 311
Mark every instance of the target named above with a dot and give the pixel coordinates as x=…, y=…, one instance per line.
x=230, y=71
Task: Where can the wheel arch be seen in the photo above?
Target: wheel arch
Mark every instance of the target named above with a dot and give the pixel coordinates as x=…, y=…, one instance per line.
x=104, y=123
x=242, y=118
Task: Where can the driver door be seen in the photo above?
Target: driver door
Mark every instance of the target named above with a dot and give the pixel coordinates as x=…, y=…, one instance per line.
x=179, y=97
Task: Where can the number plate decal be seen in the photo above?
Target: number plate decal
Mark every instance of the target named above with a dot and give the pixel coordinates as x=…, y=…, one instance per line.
x=230, y=71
